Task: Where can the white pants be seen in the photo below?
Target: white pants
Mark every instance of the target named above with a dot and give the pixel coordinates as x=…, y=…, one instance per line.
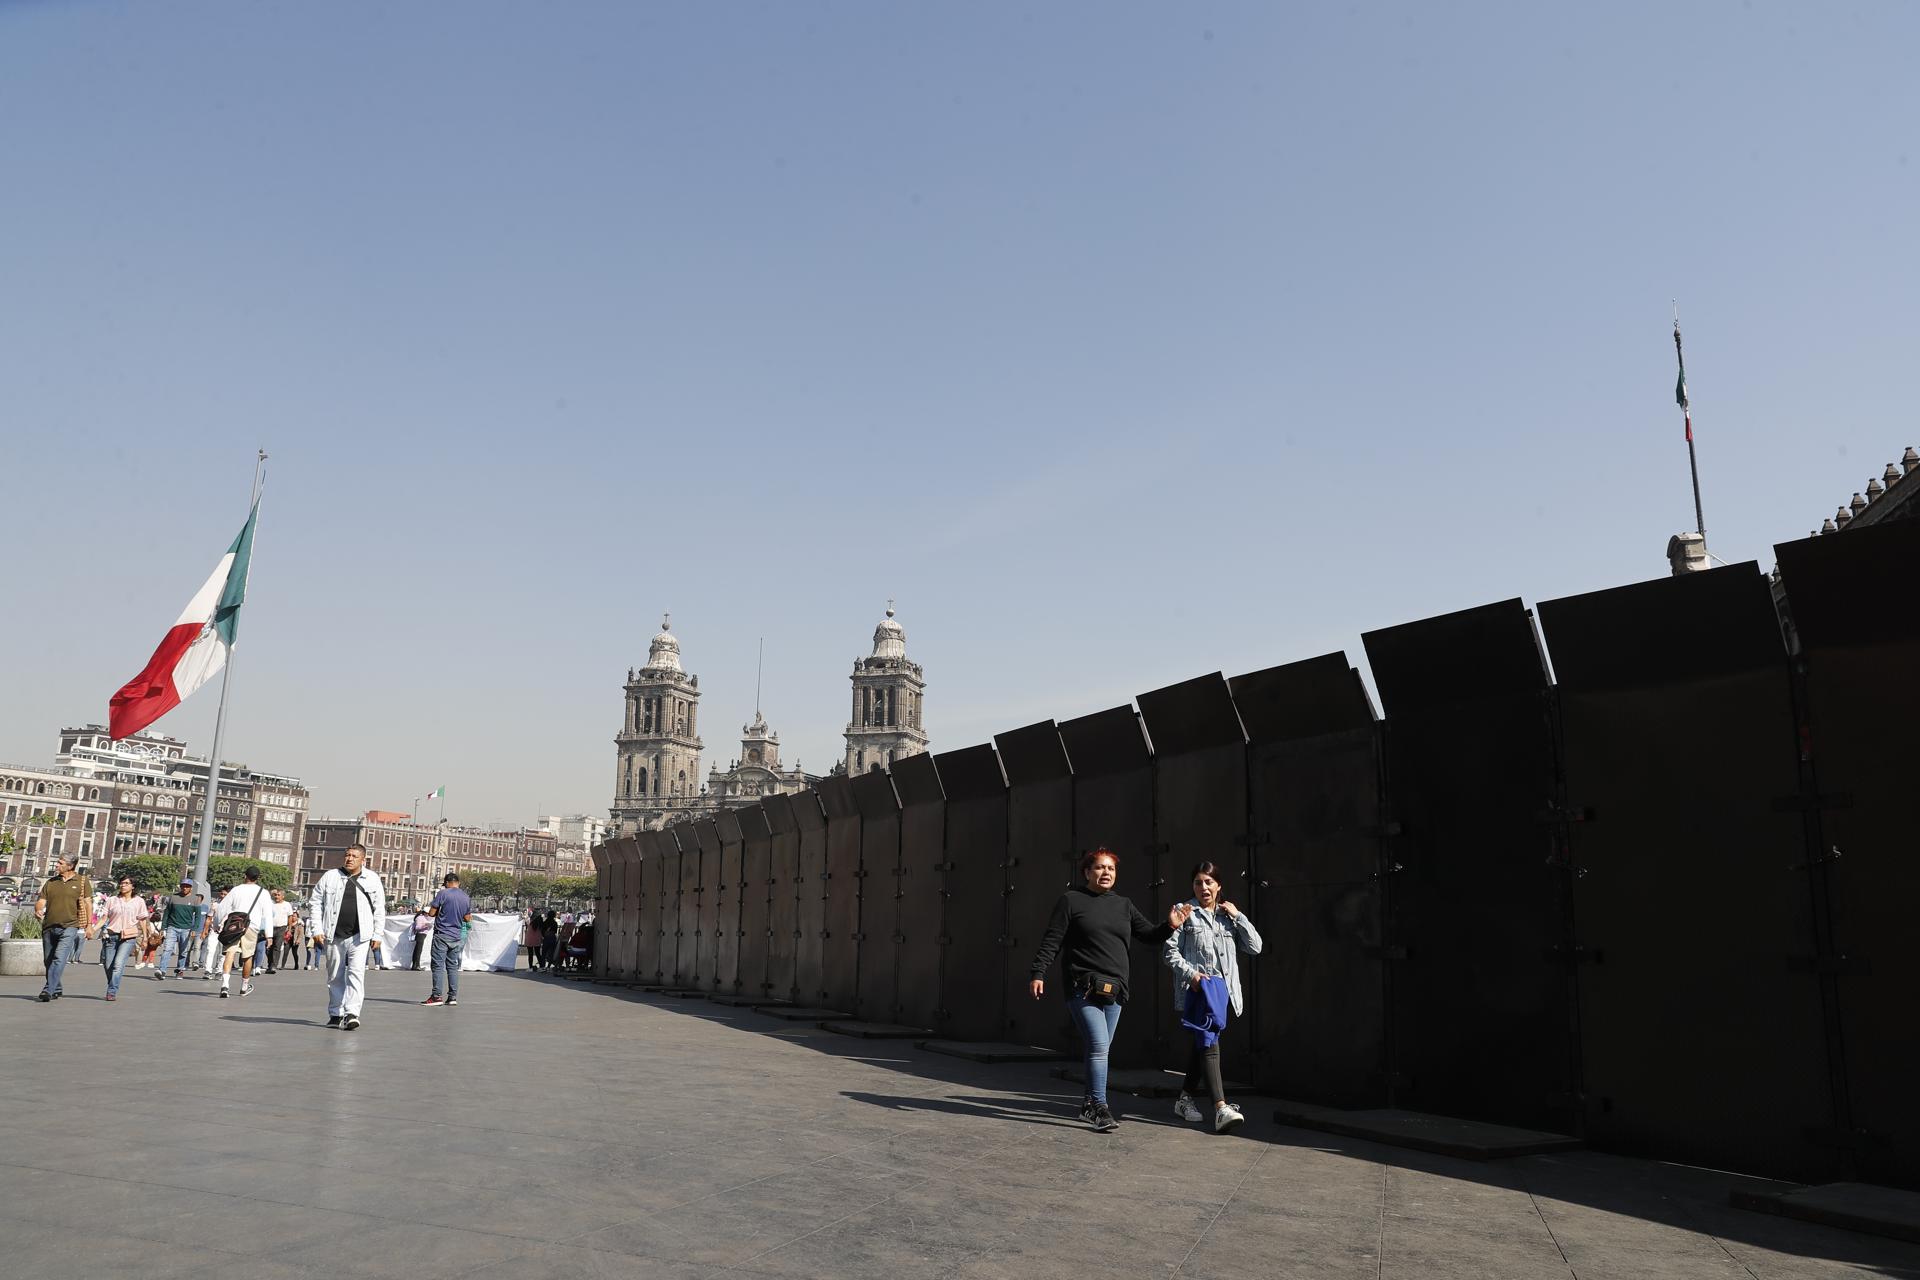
x=210, y=953
x=346, y=975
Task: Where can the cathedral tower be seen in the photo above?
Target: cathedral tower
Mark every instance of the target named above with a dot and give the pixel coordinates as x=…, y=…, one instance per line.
x=888, y=697
x=657, y=770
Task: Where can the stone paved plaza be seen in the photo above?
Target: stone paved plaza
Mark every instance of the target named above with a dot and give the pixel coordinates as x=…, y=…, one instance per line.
x=545, y=1128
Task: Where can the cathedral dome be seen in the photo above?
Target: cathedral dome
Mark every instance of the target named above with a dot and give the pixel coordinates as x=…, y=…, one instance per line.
x=664, y=653
x=889, y=638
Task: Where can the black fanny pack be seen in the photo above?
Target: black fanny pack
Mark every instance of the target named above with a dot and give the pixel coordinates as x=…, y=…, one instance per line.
x=1100, y=990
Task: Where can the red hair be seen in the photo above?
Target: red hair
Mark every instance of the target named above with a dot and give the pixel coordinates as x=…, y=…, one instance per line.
x=1086, y=859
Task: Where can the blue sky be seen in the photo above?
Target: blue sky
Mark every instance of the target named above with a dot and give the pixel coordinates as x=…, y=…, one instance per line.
x=1121, y=343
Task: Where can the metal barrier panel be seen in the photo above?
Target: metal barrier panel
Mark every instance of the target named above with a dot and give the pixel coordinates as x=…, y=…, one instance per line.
x=616, y=870
x=1113, y=806
x=1678, y=742
x=653, y=899
x=1481, y=1009
x=755, y=888
x=707, y=888
x=1200, y=815
x=1039, y=866
x=879, y=938
x=630, y=876
x=973, y=964
x=602, y=875
x=1852, y=600
x=840, y=958
x=810, y=934
x=783, y=894
x=686, y=946
x=1313, y=782
x=626, y=867
x=923, y=824
x=726, y=916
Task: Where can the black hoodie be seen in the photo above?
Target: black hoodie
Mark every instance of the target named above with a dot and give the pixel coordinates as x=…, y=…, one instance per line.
x=1096, y=928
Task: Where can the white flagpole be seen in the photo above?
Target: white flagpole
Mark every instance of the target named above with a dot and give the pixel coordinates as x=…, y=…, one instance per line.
x=220, y=716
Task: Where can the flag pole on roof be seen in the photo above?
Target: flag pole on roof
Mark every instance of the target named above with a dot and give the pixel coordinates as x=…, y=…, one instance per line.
x=1686, y=414
x=197, y=646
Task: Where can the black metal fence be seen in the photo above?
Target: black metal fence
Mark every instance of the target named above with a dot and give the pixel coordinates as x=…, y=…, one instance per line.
x=1657, y=895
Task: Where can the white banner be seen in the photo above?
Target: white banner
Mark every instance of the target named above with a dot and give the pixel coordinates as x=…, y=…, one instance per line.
x=493, y=941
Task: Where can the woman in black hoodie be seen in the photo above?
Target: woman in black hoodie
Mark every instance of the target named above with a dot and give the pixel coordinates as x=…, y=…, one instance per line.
x=1095, y=925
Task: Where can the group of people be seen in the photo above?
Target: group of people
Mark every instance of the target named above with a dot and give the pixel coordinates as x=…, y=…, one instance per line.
x=1091, y=931
x=251, y=928
x=554, y=942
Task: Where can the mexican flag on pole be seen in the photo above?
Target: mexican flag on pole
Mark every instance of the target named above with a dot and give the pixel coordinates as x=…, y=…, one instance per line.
x=194, y=650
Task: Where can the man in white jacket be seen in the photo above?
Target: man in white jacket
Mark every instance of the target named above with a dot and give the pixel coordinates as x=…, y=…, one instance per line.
x=347, y=915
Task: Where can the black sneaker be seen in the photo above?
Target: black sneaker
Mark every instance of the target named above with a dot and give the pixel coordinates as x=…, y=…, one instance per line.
x=44, y=997
x=1104, y=1120
x=452, y=1001
x=334, y=1021
x=223, y=993
x=351, y=1024
x=1086, y=1111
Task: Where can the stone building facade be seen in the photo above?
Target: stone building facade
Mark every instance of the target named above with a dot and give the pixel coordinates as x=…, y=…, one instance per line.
x=658, y=747
x=889, y=703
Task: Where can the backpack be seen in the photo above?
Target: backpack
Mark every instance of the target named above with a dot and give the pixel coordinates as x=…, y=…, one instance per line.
x=235, y=926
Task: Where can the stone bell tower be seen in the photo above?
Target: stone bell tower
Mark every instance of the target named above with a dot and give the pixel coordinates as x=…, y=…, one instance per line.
x=657, y=768
x=888, y=702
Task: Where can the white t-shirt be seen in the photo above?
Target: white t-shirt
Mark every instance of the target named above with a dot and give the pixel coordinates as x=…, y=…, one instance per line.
x=254, y=899
x=282, y=913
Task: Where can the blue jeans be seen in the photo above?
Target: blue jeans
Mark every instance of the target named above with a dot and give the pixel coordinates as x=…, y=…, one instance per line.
x=446, y=960
x=114, y=951
x=179, y=943
x=59, y=944
x=1096, y=1025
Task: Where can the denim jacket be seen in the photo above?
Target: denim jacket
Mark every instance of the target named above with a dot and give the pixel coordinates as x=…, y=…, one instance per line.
x=1209, y=943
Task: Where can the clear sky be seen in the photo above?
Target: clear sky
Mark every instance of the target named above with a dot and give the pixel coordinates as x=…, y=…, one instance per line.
x=1121, y=342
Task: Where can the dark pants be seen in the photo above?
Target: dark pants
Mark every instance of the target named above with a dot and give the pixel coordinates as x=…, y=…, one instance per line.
x=1205, y=1062
x=419, y=945
x=286, y=952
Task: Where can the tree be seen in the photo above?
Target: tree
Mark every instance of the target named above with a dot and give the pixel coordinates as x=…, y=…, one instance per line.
x=151, y=872
x=226, y=871
x=574, y=890
x=533, y=886
x=487, y=884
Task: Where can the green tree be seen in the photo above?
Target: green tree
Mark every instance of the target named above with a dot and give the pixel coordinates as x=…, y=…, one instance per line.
x=575, y=891
x=487, y=884
x=226, y=871
x=151, y=872
x=533, y=888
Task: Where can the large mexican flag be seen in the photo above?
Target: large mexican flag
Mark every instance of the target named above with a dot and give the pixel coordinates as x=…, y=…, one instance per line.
x=194, y=650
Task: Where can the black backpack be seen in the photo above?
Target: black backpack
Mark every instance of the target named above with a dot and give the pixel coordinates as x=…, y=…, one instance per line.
x=235, y=926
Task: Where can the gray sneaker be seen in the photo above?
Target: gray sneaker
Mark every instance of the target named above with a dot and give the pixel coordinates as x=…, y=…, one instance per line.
x=1227, y=1116
x=1104, y=1121
x=1187, y=1109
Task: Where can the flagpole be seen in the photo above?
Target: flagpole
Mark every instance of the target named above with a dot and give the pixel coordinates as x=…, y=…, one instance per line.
x=220, y=716
x=1693, y=461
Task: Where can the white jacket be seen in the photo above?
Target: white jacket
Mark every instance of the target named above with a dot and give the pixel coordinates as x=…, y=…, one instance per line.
x=324, y=911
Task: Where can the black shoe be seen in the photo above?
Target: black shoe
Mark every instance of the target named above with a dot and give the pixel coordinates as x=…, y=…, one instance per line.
x=351, y=1024
x=44, y=998
x=1086, y=1110
x=334, y=1021
x=223, y=993
x=1103, y=1119
x=452, y=1001
x=58, y=994
x=273, y=971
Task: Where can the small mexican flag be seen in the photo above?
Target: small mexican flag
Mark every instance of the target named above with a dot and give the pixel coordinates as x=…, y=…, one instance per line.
x=196, y=648
x=438, y=793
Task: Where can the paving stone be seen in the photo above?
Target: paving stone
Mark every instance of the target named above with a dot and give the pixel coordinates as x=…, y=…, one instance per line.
x=566, y=1129
x=1853, y=1206
x=1445, y=1135
x=872, y=1030
x=797, y=1013
x=990, y=1051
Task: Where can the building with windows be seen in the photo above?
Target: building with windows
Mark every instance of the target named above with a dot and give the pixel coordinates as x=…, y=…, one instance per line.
x=574, y=835
x=45, y=812
x=889, y=703
x=410, y=856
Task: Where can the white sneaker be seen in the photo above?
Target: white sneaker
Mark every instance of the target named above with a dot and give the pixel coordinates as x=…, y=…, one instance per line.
x=1227, y=1116
x=1187, y=1109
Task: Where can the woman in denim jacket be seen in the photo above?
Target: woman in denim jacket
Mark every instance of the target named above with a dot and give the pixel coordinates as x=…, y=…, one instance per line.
x=1207, y=943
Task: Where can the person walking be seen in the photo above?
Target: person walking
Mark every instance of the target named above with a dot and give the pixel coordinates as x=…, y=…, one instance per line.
x=1089, y=930
x=451, y=910
x=296, y=942
x=65, y=909
x=211, y=950
x=122, y=926
x=277, y=940
x=531, y=939
x=1204, y=954
x=240, y=940
x=177, y=914
x=549, y=939
x=196, y=936
x=422, y=933
x=347, y=918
